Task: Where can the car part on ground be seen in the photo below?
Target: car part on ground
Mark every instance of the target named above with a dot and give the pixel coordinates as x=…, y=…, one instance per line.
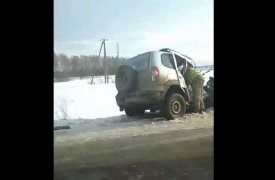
x=61, y=127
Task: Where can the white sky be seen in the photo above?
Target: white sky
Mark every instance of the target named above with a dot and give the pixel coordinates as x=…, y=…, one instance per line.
x=137, y=25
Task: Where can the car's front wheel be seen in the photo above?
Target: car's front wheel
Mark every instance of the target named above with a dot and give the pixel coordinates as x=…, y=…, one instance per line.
x=175, y=106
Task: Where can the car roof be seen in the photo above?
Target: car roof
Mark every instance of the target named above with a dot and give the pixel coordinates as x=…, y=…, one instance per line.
x=188, y=59
x=168, y=50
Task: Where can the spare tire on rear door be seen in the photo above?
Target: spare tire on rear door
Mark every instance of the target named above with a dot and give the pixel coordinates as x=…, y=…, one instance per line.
x=126, y=78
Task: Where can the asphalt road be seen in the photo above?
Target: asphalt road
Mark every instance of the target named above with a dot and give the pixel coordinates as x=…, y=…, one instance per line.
x=146, y=147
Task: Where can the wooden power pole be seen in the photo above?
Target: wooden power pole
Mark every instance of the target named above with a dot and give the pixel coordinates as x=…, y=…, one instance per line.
x=104, y=65
x=117, y=49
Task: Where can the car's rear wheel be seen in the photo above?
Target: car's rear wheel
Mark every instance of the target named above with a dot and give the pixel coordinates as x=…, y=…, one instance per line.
x=140, y=111
x=133, y=111
x=175, y=106
x=129, y=112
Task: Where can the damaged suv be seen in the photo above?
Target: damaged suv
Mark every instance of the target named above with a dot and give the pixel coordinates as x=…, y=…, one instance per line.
x=152, y=81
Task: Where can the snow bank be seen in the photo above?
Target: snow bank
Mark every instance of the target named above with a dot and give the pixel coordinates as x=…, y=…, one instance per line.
x=86, y=101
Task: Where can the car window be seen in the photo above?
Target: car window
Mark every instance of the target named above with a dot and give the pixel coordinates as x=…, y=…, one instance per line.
x=181, y=62
x=139, y=62
x=167, y=60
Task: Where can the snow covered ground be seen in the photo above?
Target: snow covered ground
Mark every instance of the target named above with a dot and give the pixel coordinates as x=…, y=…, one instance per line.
x=78, y=99
x=82, y=100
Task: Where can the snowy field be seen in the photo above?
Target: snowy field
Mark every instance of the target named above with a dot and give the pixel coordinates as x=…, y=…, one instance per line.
x=82, y=100
x=78, y=99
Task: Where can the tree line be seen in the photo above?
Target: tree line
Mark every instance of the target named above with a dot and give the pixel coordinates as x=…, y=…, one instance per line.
x=80, y=66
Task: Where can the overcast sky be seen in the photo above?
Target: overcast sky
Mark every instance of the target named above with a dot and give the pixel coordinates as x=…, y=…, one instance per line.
x=137, y=25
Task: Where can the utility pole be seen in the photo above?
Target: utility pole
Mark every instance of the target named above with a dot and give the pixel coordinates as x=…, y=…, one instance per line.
x=102, y=64
x=99, y=54
x=117, y=47
x=105, y=60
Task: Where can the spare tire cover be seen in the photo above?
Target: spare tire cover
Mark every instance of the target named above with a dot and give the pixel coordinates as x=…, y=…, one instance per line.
x=126, y=78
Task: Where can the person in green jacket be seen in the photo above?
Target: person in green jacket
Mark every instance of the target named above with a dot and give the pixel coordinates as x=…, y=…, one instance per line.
x=195, y=79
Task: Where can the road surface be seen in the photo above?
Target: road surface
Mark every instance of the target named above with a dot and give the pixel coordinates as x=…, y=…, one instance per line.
x=136, y=148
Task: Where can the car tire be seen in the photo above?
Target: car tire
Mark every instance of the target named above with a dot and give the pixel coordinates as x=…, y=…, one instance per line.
x=175, y=106
x=139, y=111
x=126, y=78
x=130, y=112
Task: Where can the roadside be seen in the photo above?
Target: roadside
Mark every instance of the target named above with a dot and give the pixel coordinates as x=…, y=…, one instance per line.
x=146, y=147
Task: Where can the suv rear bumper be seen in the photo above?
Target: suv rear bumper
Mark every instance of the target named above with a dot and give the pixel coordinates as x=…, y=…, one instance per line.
x=145, y=99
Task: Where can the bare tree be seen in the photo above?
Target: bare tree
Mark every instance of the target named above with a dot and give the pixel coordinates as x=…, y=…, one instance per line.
x=65, y=67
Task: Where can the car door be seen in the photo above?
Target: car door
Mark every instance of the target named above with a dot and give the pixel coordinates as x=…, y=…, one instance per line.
x=179, y=75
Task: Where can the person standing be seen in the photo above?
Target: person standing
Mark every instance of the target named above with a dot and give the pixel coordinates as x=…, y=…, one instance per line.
x=195, y=79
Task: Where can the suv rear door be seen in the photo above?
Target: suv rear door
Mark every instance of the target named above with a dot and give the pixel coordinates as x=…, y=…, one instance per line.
x=141, y=64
